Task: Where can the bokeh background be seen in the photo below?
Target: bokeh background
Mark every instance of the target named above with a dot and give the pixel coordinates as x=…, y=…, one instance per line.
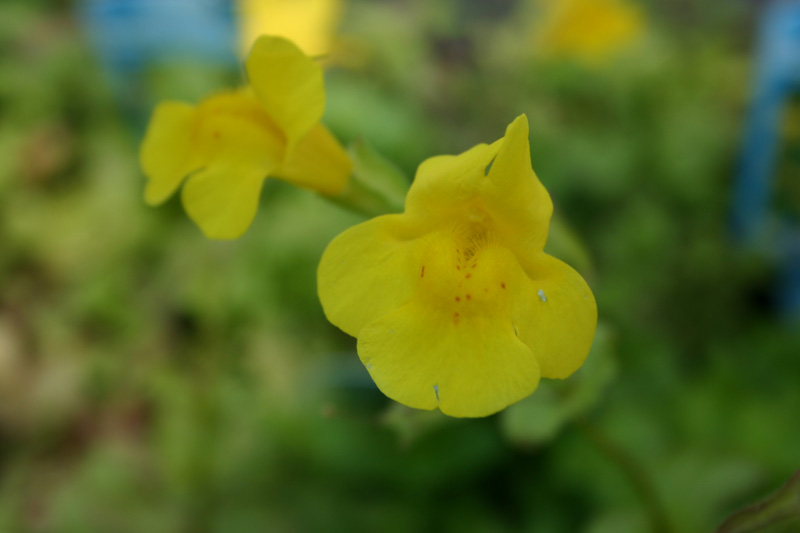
x=154, y=381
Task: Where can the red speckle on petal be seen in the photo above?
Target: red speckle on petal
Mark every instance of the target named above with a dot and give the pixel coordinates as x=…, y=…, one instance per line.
x=455, y=318
x=458, y=299
x=468, y=276
x=503, y=285
x=216, y=135
x=458, y=267
x=422, y=275
x=468, y=297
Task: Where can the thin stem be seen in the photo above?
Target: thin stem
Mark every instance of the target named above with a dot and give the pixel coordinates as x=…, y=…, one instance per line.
x=782, y=506
x=633, y=471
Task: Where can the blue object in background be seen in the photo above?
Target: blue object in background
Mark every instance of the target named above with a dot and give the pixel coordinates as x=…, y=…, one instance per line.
x=789, y=297
x=129, y=36
x=777, y=77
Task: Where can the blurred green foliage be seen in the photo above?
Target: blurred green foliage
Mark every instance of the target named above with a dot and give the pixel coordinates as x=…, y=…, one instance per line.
x=151, y=380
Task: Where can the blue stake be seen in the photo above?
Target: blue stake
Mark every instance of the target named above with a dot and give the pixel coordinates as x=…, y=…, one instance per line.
x=777, y=77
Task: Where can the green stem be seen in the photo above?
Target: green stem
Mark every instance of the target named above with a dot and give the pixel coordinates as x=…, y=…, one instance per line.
x=361, y=198
x=782, y=506
x=376, y=186
x=633, y=471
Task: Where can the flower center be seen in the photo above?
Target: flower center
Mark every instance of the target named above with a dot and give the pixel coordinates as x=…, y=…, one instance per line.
x=465, y=271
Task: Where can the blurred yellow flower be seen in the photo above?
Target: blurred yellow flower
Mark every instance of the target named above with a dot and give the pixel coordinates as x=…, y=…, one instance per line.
x=590, y=30
x=308, y=23
x=454, y=303
x=230, y=142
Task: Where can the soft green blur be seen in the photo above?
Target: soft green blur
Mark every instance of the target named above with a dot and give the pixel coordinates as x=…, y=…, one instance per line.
x=155, y=381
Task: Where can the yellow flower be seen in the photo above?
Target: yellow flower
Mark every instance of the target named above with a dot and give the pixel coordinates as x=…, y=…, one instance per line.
x=454, y=303
x=308, y=23
x=229, y=143
x=591, y=30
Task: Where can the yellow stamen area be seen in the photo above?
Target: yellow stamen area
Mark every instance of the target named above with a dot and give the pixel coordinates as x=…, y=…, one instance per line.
x=465, y=271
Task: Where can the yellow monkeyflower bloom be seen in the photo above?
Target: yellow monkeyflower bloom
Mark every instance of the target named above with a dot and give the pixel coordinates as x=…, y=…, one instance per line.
x=229, y=143
x=591, y=30
x=308, y=23
x=454, y=302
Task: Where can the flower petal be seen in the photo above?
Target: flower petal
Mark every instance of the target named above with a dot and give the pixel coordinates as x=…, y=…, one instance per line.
x=318, y=162
x=366, y=272
x=238, y=146
x=555, y=313
x=166, y=152
x=469, y=367
x=232, y=126
x=444, y=183
x=494, y=181
x=289, y=85
x=454, y=303
x=514, y=194
x=223, y=198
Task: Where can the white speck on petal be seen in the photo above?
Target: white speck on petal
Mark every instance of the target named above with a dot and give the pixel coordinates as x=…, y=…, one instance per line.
x=391, y=331
x=369, y=366
x=436, y=391
x=542, y=297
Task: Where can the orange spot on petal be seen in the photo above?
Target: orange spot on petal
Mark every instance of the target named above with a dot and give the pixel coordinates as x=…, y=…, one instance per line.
x=422, y=275
x=458, y=299
x=468, y=296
